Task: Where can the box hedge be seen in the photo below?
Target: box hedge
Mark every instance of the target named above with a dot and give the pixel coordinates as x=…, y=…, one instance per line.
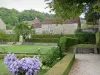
x=51, y=35
x=98, y=37
x=44, y=40
x=86, y=37
x=66, y=42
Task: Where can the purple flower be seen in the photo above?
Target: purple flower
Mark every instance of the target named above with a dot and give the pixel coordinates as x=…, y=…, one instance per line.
x=29, y=66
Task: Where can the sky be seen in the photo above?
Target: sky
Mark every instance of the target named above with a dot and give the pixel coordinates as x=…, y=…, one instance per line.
x=21, y=5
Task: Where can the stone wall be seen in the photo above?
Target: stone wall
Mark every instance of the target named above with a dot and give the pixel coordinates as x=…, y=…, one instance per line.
x=57, y=28
x=86, y=50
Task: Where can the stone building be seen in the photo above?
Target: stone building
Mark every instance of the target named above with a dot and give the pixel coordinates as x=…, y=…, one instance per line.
x=49, y=26
x=2, y=25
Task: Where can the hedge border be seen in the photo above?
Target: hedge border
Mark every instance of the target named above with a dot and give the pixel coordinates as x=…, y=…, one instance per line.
x=63, y=66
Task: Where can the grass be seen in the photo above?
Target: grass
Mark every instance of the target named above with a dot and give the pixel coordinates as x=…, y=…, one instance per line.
x=3, y=69
x=25, y=48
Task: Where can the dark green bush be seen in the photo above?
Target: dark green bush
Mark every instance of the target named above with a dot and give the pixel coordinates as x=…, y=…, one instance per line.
x=51, y=35
x=86, y=37
x=51, y=57
x=66, y=42
x=98, y=37
x=44, y=40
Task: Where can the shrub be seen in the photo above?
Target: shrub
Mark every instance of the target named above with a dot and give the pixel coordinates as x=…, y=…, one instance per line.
x=66, y=42
x=51, y=57
x=46, y=40
x=51, y=35
x=86, y=37
x=98, y=37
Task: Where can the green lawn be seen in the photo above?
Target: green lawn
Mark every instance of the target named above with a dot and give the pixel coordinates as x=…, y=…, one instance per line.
x=25, y=48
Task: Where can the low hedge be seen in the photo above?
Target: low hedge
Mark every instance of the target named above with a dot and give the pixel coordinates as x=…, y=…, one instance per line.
x=44, y=40
x=66, y=42
x=51, y=35
x=86, y=37
x=98, y=37
x=63, y=66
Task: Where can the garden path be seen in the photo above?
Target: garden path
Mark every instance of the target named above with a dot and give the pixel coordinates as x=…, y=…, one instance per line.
x=86, y=64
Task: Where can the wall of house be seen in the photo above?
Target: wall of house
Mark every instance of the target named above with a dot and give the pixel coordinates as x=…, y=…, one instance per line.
x=57, y=28
x=2, y=25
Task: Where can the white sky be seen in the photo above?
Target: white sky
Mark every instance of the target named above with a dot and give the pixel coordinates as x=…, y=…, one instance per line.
x=21, y=5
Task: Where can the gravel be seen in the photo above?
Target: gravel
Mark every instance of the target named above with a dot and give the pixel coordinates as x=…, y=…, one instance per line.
x=86, y=64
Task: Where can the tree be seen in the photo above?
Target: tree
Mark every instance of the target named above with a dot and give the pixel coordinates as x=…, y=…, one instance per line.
x=92, y=17
x=23, y=29
x=73, y=8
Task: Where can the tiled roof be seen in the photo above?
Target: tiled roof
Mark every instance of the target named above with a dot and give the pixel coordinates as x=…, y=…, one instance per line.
x=49, y=21
x=54, y=21
x=36, y=21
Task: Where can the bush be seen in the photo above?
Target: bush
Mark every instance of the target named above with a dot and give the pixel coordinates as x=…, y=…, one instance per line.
x=51, y=35
x=45, y=40
x=86, y=37
x=98, y=37
x=66, y=42
x=51, y=57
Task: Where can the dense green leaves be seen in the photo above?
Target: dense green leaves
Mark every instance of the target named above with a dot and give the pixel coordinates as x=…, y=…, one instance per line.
x=72, y=8
x=12, y=16
x=23, y=29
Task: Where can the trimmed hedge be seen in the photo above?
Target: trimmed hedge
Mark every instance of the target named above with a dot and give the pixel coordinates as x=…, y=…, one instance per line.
x=9, y=38
x=86, y=37
x=66, y=42
x=98, y=37
x=47, y=38
x=51, y=35
x=63, y=66
x=44, y=40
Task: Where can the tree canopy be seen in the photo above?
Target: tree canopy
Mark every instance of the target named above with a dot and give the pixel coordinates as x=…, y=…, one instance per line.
x=23, y=29
x=73, y=8
x=13, y=16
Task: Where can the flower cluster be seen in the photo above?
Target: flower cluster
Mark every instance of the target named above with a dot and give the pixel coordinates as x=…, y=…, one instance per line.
x=25, y=66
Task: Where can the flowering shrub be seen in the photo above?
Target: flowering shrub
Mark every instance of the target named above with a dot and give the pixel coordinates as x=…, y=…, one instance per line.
x=25, y=66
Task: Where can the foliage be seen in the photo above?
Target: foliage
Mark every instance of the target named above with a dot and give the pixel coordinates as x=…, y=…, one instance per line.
x=51, y=35
x=51, y=57
x=66, y=42
x=12, y=16
x=9, y=16
x=23, y=29
x=84, y=37
x=73, y=8
x=12, y=37
x=45, y=40
x=98, y=37
x=92, y=16
x=25, y=66
x=3, y=37
x=50, y=38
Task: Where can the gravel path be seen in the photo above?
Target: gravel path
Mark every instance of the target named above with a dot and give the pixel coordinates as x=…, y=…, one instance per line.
x=86, y=64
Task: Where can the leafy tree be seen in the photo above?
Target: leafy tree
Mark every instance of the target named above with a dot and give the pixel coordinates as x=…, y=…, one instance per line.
x=12, y=16
x=72, y=8
x=23, y=29
x=92, y=17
